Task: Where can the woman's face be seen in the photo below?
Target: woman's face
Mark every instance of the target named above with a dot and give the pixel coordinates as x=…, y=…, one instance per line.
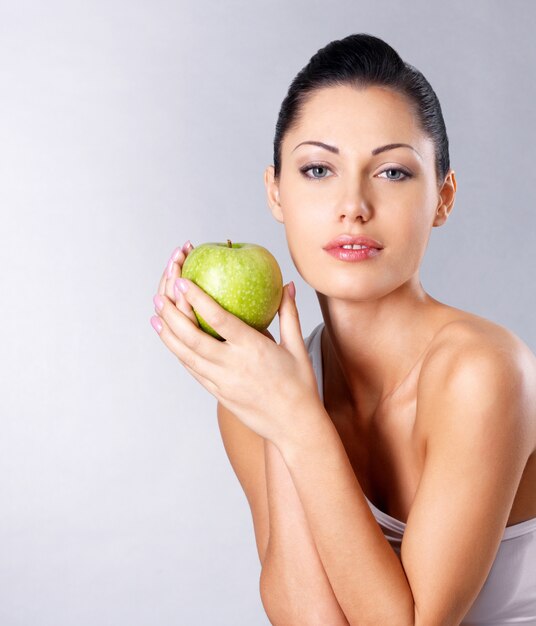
x=391, y=196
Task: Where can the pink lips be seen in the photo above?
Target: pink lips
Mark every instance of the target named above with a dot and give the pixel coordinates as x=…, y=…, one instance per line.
x=353, y=240
x=353, y=255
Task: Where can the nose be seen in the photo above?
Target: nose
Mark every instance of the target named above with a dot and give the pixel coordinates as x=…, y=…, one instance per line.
x=354, y=203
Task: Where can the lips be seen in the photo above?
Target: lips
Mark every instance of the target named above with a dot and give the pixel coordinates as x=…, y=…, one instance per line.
x=343, y=240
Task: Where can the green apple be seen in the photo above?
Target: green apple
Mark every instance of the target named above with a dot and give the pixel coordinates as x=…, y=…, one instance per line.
x=243, y=278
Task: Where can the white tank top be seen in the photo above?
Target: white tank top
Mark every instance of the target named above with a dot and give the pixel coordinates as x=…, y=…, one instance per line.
x=509, y=592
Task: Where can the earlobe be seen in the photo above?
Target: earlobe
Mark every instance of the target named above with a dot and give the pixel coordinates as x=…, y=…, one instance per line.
x=440, y=216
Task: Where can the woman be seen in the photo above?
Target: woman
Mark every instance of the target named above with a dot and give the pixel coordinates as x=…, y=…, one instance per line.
x=389, y=458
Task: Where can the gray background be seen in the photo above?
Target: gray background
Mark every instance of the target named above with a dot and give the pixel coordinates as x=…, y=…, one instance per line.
x=125, y=129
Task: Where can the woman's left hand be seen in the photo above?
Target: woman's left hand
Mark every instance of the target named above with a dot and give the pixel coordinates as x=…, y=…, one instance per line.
x=263, y=383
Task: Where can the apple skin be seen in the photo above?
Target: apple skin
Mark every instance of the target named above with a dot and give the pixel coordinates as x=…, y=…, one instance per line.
x=243, y=278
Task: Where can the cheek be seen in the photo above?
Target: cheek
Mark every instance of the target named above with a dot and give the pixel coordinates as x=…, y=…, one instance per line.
x=408, y=227
x=304, y=226
x=416, y=235
x=306, y=235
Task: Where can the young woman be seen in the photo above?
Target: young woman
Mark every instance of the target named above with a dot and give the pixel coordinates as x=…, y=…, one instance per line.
x=389, y=458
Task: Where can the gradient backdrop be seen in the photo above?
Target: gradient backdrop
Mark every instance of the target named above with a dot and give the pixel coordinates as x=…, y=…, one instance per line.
x=125, y=129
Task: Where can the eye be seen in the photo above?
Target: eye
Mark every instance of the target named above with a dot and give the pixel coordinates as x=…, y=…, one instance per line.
x=314, y=166
x=399, y=171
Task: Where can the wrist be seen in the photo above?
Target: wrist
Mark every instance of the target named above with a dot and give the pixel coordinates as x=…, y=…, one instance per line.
x=310, y=423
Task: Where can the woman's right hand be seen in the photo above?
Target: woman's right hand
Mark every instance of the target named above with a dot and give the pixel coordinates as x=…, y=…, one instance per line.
x=170, y=275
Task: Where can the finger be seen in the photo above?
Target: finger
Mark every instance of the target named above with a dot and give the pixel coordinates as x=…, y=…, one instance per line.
x=184, y=307
x=289, y=322
x=176, y=271
x=173, y=272
x=207, y=384
x=198, y=342
x=173, y=258
x=162, y=284
x=202, y=367
x=187, y=247
x=227, y=325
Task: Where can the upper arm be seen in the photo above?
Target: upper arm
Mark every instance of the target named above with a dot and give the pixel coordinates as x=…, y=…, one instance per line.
x=479, y=438
x=245, y=450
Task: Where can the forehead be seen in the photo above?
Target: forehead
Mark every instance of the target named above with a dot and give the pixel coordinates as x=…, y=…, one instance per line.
x=346, y=115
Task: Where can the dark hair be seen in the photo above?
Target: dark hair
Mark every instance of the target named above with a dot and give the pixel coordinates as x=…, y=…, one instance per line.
x=362, y=60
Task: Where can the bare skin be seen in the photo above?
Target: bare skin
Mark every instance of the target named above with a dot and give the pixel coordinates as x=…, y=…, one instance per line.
x=400, y=472
x=370, y=381
x=388, y=455
x=388, y=478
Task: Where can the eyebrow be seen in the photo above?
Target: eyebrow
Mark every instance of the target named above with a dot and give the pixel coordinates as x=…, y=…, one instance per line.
x=335, y=150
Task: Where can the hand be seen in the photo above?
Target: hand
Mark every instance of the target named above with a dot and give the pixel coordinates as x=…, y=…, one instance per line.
x=170, y=274
x=263, y=383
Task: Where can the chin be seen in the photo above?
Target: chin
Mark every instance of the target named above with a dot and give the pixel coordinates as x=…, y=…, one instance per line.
x=353, y=290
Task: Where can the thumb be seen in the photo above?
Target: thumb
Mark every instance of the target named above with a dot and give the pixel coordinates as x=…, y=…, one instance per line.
x=289, y=321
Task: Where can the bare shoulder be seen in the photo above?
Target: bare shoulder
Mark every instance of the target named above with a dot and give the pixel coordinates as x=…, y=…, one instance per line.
x=469, y=337
x=471, y=349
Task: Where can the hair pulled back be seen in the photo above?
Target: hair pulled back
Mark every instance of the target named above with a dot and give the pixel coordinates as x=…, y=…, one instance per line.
x=362, y=60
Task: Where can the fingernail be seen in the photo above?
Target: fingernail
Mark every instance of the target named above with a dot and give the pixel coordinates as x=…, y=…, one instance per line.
x=169, y=268
x=176, y=254
x=156, y=324
x=158, y=302
x=292, y=289
x=181, y=285
x=187, y=245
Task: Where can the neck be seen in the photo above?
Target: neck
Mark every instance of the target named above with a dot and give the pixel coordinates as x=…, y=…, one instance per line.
x=369, y=347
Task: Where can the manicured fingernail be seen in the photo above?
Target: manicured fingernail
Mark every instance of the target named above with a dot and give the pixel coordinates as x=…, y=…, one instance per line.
x=176, y=254
x=158, y=302
x=156, y=324
x=169, y=268
x=187, y=245
x=181, y=285
x=292, y=289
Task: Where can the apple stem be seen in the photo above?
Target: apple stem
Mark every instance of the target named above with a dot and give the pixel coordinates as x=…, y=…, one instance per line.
x=229, y=244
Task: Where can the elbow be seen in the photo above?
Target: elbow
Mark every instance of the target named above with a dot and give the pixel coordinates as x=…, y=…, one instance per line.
x=395, y=616
x=434, y=619
x=398, y=620
x=282, y=610
x=271, y=600
x=264, y=590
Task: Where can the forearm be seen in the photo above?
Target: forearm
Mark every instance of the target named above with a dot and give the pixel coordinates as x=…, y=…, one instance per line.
x=295, y=587
x=365, y=573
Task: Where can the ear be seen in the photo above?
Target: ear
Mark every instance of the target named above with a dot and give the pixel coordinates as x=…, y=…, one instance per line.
x=272, y=193
x=445, y=203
